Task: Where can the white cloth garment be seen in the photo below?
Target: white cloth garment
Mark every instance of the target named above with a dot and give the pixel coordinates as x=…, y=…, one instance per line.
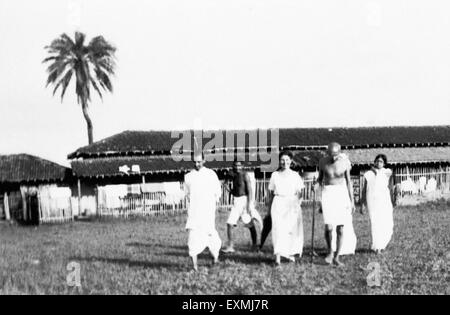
x=110, y=195
x=203, y=190
x=241, y=208
x=422, y=184
x=379, y=205
x=53, y=200
x=431, y=185
x=134, y=189
x=408, y=186
x=199, y=239
x=152, y=187
x=336, y=204
x=173, y=192
x=349, y=239
x=336, y=210
x=286, y=212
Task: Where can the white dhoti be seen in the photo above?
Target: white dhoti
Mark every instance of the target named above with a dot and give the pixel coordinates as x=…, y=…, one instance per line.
x=240, y=209
x=287, y=226
x=203, y=189
x=202, y=231
x=200, y=239
x=337, y=210
x=380, y=209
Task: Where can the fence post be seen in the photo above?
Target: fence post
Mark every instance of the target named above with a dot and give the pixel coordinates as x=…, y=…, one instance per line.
x=97, y=208
x=6, y=206
x=39, y=206
x=79, y=197
x=72, y=217
x=313, y=195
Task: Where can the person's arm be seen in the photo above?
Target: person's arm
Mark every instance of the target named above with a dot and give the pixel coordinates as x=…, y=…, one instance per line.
x=391, y=186
x=271, y=190
x=270, y=200
x=363, y=195
x=350, y=188
x=186, y=188
x=248, y=184
x=319, y=181
x=300, y=185
x=227, y=182
x=227, y=185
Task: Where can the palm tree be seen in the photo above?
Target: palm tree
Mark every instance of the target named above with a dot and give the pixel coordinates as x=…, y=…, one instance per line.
x=93, y=65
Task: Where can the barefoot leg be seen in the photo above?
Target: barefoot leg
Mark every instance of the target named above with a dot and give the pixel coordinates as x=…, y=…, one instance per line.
x=339, y=235
x=329, y=239
x=194, y=263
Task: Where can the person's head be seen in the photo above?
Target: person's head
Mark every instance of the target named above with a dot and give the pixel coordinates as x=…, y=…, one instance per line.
x=286, y=159
x=334, y=149
x=198, y=159
x=380, y=161
x=237, y=166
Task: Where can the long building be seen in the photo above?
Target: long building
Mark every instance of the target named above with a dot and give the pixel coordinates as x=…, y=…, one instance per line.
x=133, y=157
x=152, y=151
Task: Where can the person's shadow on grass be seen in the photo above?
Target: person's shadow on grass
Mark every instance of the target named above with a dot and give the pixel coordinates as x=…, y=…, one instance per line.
x=151, y=245
x=133, y=263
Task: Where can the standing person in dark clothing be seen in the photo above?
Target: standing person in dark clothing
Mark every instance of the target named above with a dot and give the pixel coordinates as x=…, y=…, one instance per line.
x=243, y=206
x=267, y=227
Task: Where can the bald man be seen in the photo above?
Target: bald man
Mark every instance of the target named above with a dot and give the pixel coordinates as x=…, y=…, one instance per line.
x=337, y=198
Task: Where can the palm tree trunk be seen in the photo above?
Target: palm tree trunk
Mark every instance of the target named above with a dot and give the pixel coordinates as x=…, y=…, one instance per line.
x=88, y=123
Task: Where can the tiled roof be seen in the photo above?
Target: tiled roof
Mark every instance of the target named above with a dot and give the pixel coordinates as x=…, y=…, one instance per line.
x=161, y=142
x=109, y=166
x=21, y=168
x=401, y=155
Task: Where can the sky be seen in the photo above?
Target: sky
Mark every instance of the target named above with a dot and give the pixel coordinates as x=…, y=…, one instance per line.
x=227, y=64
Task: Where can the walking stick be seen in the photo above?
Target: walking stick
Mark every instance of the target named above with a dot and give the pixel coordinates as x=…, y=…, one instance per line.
x=313, y=222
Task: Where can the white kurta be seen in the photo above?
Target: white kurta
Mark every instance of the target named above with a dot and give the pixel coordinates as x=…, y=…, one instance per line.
x=379, y=205
x=204, y=189
x=286, y=212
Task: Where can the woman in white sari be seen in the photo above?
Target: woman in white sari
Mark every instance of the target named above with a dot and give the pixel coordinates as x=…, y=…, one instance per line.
x=376, y=198
x=285, y=188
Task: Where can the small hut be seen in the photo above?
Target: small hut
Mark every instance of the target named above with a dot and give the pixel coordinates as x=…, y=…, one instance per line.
x=22, y=177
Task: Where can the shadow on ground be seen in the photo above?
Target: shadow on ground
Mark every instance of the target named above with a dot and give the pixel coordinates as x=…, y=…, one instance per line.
x=133, y=263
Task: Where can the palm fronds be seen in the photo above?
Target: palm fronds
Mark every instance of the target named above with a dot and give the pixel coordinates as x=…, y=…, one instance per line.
x=92, y=65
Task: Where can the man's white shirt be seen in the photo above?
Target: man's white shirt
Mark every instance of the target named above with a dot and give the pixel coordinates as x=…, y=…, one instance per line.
x=204, y=190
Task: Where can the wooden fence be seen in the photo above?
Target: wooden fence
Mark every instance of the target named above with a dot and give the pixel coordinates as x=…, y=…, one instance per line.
x=59, y=210
x=156, y=203
x=145, y=204
x=56, y=210
x=38, y=209
x=422, y=181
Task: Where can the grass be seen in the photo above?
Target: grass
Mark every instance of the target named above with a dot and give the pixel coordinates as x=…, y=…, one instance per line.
x=149, y=256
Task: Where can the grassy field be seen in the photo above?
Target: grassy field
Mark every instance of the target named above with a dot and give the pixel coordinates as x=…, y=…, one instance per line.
x=149, y=256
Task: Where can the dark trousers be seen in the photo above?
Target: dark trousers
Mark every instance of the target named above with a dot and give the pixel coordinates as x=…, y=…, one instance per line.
x=267, y=227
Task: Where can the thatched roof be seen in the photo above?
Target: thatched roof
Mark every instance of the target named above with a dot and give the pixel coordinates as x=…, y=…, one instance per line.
x=135, y=143
x=24, y=168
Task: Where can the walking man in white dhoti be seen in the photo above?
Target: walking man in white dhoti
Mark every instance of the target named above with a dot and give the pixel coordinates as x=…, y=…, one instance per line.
x=337, y=202
x=203, y=190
